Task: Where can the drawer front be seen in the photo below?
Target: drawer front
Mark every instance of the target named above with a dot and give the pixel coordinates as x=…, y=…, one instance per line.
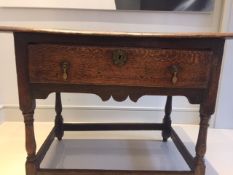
x=148, y=67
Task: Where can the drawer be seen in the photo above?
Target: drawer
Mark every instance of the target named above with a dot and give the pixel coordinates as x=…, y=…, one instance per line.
x=93, y=65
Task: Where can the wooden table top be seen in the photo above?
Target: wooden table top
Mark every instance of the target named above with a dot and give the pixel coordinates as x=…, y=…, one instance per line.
x=128, y=34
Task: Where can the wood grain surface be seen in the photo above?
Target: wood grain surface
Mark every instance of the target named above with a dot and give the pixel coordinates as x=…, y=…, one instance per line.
x=94, y=66
x=106, y=33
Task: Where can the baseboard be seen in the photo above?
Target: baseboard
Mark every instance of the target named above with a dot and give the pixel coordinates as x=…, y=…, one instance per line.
x=1, y=115
x=105, y=114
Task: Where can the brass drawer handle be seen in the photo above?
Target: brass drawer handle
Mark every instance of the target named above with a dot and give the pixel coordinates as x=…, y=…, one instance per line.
x=119, y=57
x=174, y=70
x=65, y=67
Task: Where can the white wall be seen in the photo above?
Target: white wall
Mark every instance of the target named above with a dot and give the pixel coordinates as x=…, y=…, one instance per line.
x=224, y=108
x=102, y=21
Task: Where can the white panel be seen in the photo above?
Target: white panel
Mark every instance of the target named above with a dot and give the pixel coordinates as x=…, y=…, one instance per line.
x=109, y=20
x=106, y=114
x=63, y=4
x=224, y=109
x=8, y=69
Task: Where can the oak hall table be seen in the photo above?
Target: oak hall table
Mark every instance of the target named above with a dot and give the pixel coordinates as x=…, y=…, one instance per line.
x=120, y=65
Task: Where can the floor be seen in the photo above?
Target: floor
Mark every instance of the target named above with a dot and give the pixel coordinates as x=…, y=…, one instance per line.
x=114, y=150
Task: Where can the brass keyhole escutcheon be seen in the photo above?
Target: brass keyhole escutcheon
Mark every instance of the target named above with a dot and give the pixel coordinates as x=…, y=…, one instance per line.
x=174, y=78
x=174, y=70
x=65, y=67
x=119, y=57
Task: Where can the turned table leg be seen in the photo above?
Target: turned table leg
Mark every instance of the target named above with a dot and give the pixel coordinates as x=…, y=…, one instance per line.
x=201, y=144
x=166, y=132
x=59, y=132
x=30, y=143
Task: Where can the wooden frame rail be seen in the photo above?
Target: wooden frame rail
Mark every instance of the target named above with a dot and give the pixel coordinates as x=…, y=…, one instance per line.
x=112, y=127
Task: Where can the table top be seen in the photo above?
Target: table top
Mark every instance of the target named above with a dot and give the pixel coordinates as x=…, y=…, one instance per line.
x=128, y=34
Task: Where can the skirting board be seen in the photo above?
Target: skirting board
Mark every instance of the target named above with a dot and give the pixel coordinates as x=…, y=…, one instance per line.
x=105, y=114
x=1, y=114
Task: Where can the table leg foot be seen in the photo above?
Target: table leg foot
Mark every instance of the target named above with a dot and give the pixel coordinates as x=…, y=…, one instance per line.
x=30, y=143
x=30, y=168
x=201, y=143
x=166, y=132
x=200, y=167
x=59, y=132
